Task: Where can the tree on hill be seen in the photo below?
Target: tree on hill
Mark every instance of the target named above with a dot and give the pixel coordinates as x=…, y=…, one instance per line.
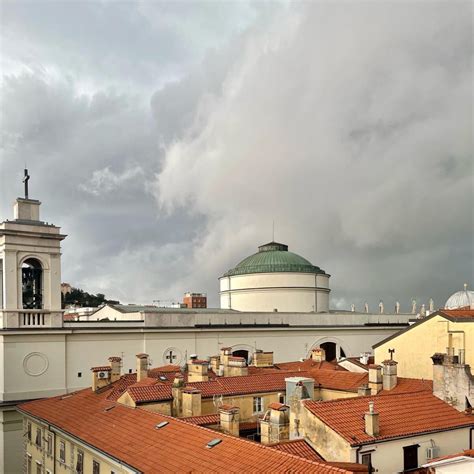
x=81, y=298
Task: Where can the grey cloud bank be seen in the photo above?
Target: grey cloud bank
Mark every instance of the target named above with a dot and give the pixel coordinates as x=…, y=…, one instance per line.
x=350, y=125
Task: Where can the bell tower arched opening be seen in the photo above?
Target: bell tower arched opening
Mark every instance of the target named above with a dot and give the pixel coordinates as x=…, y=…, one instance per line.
x=32, y=284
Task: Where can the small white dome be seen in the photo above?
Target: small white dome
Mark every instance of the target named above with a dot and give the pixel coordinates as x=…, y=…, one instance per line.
x=461, y=299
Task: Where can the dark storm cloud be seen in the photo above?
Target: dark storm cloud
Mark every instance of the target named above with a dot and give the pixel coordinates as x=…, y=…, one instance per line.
x=350, y=125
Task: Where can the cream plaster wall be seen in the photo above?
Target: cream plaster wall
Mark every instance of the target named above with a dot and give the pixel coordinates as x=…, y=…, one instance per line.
x=388, y=456
x=72, y=448
x=414, y=347
x=286, y=292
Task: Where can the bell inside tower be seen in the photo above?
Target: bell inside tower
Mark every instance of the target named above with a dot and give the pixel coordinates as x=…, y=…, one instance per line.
x=31, y=277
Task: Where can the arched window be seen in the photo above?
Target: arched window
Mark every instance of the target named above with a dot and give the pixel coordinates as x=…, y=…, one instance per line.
x=32, y=284
x=241, y=353
x=331, y=351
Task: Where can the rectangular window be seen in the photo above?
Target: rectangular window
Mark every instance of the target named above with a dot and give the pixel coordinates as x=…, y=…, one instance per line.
x=62, y=451
x=28, y=463
x=281, y=398
x=367, y=459
x=410, y=457
x=80, y=463
x=95, y=467
x=38, y=467
x=39, y=436
x=257, y=404
x=49, y=444
x=28, y=430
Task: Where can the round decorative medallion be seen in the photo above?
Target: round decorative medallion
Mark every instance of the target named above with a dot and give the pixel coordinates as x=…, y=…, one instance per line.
x=35, y=364
x=172, y=356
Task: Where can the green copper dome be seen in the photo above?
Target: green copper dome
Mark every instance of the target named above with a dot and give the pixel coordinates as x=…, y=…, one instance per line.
x=274, y=257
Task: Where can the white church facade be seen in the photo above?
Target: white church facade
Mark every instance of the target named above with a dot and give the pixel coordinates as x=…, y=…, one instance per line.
x=41, y=355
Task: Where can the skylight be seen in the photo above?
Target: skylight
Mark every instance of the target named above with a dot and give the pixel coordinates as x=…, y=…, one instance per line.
x=213, y=442
x=161, y=425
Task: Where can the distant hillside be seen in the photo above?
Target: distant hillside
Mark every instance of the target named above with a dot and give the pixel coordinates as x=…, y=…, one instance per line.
x=81, y=298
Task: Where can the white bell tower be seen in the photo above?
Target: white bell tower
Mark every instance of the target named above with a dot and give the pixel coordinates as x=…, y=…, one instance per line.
x=30, y=268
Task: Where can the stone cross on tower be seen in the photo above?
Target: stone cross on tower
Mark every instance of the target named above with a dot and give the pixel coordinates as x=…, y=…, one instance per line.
x=25, y=180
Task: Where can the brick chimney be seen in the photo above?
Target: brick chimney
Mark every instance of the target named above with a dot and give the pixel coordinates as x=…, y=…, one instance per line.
x=363, y=391
x=226, y=352
x=100, y=377
x=262, y=359
x=318, y=354
x=230, y=419
x=297, y=390
x=389, y=374
x=198, y=370
x=214, y=363
x=372, y=421
x=375, y=379
x=142, y=366
x=116, y=368
x=177, y=393
x=191, y=402
x=275, y=425
x=453, y=381
x=236, y=366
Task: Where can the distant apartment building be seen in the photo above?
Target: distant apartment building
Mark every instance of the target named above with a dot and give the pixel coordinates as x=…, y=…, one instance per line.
x=195, y=300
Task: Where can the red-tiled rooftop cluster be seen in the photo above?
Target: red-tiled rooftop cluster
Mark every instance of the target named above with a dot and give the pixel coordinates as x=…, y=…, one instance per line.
x=131, y=437
x=400, y=415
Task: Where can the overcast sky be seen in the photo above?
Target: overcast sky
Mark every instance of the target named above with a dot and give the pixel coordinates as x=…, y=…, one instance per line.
x=164, y=138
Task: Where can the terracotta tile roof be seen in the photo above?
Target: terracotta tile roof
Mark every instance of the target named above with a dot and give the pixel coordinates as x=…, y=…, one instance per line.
x=199, y=361
x=308, y=364
x=130, y=435
x=405, y=385
x=119, y=387
x=338, y=380
x=102, y=368
x=165, y=368
x=459, y=313
x=203, y=420
x=245, y=384
x=298, y=447
x=350, y=466
x=278, y=406
x=150, y=393
x=467, y=453
x=401, y=415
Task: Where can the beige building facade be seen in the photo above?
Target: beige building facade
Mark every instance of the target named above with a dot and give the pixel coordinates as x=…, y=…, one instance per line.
x=453, y=329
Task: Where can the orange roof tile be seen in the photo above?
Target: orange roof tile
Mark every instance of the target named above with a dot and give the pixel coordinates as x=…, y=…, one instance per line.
x=459, y=313
x=309, y=364
x=400, y=415
x=467, y=453
x=130, y=436
x=149, y=393
x=203, y=420
x=298, y=447
x=102, y=368
x=278, y=406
